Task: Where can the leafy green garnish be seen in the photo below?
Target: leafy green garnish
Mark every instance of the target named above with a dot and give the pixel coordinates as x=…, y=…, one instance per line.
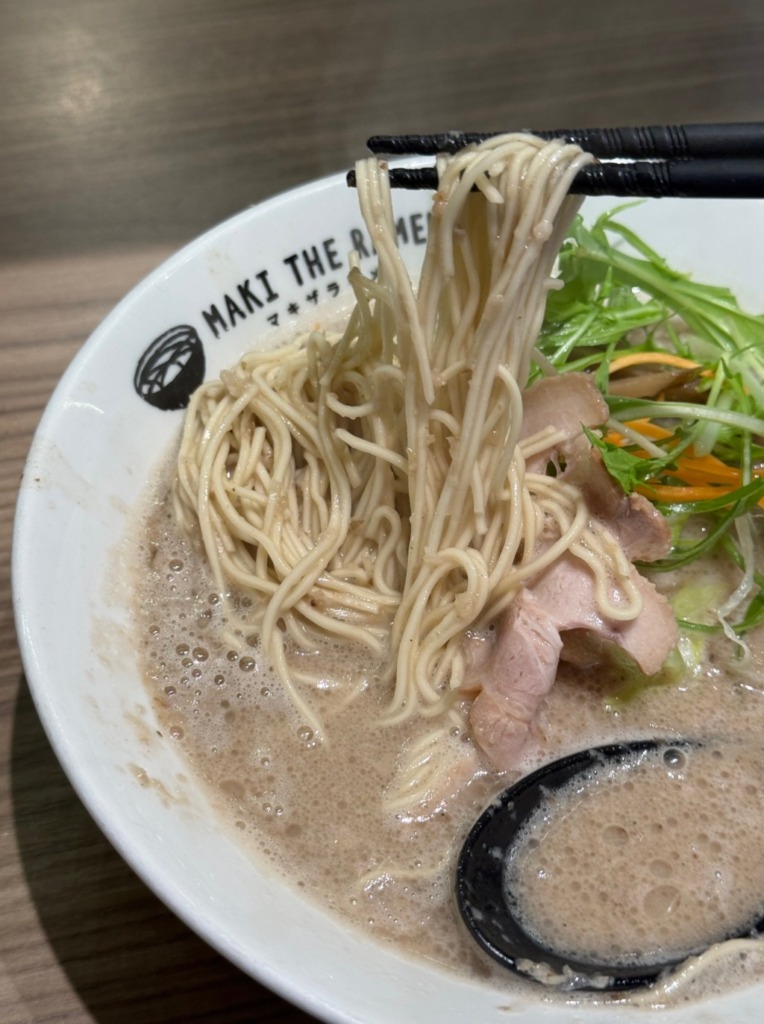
x=699, y=461
x=628, y=469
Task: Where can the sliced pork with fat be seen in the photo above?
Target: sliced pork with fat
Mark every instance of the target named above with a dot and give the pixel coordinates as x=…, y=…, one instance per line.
x=515, y=679
x=518, y=673
x=566, y=403
x=640, y=529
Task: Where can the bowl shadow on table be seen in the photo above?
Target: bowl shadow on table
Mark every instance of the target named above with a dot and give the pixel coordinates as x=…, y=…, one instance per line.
x=127, y=957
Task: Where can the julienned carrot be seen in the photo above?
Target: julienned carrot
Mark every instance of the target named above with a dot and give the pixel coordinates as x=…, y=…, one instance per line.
x=649, y=429
x=645, y=427
x=707, y=465
x=671, y=493
x=708, y=473
x=704, y=476
x=708, y=468
x=652, y=358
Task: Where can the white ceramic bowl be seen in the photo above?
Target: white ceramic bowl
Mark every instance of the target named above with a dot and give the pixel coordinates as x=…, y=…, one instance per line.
x=94, y=451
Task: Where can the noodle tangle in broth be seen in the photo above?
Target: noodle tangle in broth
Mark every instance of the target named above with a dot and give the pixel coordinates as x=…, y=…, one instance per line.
x=371, y=486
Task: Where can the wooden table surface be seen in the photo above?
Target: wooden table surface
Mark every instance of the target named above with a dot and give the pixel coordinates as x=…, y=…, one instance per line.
x=126, y=128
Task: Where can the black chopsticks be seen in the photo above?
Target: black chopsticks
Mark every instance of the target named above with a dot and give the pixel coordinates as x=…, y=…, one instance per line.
x=720, y=161
x=667, y=142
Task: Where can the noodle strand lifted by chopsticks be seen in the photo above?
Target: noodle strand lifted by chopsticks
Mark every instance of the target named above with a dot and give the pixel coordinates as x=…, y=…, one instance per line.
x=370, y=486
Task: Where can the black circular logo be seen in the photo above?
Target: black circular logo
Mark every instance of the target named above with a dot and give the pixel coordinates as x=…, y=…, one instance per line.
x=171, y=368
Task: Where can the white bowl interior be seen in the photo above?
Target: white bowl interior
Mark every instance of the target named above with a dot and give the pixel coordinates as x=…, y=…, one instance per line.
x=97, y=446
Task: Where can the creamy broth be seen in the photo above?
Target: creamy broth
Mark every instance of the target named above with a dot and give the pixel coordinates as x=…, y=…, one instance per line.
x=647, y=861
x=314, y=810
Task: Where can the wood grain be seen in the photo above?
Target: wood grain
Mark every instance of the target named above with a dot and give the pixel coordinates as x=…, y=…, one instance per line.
x=81, y=937
x=128, y=127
